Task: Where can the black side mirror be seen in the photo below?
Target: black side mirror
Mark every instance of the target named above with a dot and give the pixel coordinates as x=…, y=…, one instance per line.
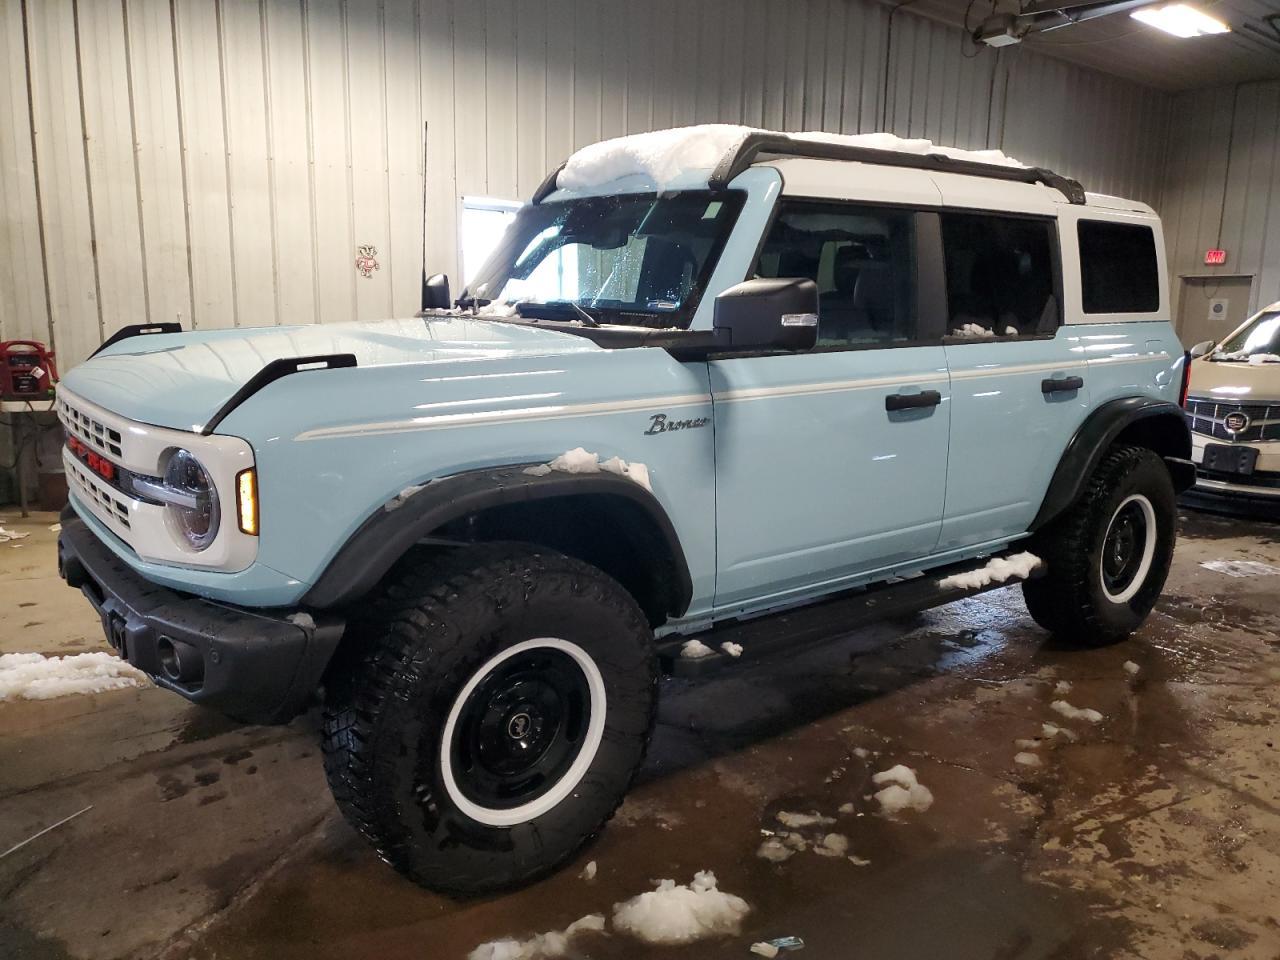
x=1201, y=348
x=776, y=313
x=435, y=292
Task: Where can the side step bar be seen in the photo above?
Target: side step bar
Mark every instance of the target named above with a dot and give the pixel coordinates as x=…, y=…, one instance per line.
x=801, y=626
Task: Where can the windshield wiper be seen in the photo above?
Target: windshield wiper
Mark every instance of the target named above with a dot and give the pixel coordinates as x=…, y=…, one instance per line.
x=587, y=318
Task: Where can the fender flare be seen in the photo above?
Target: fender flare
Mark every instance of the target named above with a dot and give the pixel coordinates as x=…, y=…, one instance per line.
x=388, y=533
x=1154, y=418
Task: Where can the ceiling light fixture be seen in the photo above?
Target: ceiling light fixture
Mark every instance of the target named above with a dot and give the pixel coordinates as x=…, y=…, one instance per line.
x=1181, y=20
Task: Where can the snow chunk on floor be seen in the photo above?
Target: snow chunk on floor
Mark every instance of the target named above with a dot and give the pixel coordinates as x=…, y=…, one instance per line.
x=904, y=791
x=663, y=156
x=695, y=650
x=798, y=821
x=1026, y=744
x=731, y=648
x=542, y=946
x=1053, y=730
x=32, y=676
x=7, y=535
x=766, y=950
x=1076, y=713
x=1232, y=568
x=579, y=460
x=1062, y=686
x=997, y=570
x=1131, y=668
x=676, y=914
x=1026, y=759
x=775, y=851
x=832, y=845
x=589, y=871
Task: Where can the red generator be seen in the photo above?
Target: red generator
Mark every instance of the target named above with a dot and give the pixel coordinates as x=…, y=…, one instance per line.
x=26, y=370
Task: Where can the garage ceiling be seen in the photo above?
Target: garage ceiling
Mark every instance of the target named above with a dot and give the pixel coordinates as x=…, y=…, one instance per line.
x=1125, y=48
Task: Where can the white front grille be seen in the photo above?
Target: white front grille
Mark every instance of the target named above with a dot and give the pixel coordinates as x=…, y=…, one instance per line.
x=100, y=436
x=112, y=506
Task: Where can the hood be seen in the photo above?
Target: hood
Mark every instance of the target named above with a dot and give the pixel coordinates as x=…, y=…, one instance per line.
x=1235, y=381
x=180, y=379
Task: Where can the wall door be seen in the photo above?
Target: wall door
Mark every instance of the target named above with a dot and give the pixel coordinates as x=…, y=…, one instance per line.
x=1211, y=307
x=833, y=462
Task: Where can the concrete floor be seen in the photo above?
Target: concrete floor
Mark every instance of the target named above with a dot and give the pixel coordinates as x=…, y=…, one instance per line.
x=1156, y=834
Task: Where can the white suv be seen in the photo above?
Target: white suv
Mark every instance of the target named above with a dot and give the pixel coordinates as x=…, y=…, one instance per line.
x=1233, y=409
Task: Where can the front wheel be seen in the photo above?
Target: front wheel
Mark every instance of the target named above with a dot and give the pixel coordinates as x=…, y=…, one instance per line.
x=495, y=706
x=1108, y=556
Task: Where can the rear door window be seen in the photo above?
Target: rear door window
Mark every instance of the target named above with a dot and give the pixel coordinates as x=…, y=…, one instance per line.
x=863, y=260
x=1118, y=269
x=1001, y=276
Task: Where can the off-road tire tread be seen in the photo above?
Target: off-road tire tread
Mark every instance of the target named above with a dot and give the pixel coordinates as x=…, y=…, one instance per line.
x=422, y=596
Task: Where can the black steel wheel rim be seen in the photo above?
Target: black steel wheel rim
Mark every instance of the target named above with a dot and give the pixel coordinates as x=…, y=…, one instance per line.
x=520, y=729
x=1123, y=549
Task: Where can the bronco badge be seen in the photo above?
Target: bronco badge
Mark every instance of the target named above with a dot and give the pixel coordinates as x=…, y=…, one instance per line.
x=660, y=423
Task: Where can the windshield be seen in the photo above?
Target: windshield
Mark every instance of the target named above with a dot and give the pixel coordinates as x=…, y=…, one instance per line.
x=1259, y=342
x=633, y=259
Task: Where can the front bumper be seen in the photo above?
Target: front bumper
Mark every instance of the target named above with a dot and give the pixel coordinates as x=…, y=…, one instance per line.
x=255, y=666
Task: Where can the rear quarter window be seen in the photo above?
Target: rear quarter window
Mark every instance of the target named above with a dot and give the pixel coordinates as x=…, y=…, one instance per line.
x=1118, y=270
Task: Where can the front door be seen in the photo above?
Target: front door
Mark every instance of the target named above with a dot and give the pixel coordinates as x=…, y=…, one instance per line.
x=832, y=463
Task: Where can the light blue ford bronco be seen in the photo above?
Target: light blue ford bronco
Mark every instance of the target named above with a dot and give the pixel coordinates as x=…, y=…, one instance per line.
x=810, y=375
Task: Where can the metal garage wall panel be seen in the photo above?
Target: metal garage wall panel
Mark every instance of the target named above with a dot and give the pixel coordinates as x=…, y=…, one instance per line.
x=470, y=132
x=64, y=187
x=24, y=312
x=201, y=117
x=1108, y=134
x=326, y=26
x=1223, y=186
x=501, y=100
x=367, y=136
x=161, y=187
x=436, y=43
x=402, y=258
x=289, y=169
x=244, y=81
x=109, y=155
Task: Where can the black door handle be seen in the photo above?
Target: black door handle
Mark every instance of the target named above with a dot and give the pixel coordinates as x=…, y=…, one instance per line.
x=908, y=401
x=1059, y=384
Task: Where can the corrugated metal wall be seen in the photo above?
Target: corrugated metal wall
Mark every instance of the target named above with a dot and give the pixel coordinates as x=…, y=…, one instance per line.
x=1223, y=186
x=224, y=163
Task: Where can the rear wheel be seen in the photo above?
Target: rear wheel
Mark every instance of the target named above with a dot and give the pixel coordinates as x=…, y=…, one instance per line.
x=493, y=708
x=1108, y=556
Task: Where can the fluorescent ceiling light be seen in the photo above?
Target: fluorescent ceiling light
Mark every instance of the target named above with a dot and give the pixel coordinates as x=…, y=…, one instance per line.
x=1181, y=20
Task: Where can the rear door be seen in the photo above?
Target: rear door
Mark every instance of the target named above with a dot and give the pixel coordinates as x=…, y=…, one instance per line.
x=1019, y=380
x=832, y=462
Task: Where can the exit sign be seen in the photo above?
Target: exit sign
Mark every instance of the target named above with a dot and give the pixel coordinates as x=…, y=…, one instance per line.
x=1215, y=258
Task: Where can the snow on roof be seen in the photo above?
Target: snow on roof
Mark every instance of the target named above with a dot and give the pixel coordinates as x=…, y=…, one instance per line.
x=665, y=155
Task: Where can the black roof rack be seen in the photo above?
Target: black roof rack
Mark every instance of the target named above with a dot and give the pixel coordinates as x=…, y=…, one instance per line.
x=778, y=144
x=781, y=145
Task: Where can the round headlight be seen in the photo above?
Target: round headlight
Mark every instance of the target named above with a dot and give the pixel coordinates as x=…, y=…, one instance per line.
x=196, y=515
